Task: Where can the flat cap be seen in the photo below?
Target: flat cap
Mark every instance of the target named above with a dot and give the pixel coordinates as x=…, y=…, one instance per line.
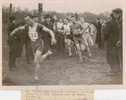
x=117, y=10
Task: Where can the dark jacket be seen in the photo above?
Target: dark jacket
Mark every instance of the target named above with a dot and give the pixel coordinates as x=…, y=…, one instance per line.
x=112, y=33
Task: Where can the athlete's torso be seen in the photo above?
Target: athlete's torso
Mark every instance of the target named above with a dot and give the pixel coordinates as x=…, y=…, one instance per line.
x=67, y=29
x=32, y=32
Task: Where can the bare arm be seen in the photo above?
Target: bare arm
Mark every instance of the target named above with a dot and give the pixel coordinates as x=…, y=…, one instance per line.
x=53, y=40
x=17, y=29
x=48, y=30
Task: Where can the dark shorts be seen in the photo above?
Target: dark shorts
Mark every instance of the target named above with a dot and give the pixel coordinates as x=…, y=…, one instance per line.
x=42, y=44
x=77, y=39
x=37, y=45
x=69, y=37
x=47, y=43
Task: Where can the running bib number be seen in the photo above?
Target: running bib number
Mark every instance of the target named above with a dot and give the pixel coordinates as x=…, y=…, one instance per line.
x=33, y=36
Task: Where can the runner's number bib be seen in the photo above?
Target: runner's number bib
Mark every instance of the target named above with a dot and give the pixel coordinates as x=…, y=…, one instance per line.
x=33, y=34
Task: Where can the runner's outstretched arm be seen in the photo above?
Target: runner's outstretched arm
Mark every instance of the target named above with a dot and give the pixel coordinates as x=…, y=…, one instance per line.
x=17, y=29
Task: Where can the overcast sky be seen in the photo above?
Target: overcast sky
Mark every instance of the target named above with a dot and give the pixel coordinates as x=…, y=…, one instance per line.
x=96, y=6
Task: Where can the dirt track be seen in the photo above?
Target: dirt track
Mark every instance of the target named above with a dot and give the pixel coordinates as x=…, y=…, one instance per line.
x=64, y=70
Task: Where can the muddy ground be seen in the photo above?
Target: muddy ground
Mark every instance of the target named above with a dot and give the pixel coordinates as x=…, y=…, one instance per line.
x=64, y=70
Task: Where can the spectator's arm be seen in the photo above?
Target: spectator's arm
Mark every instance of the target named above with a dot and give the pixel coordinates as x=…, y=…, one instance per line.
x=17, y=29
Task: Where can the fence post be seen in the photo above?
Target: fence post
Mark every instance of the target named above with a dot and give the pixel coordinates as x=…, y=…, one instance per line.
x=10, y=10
x=40, y=10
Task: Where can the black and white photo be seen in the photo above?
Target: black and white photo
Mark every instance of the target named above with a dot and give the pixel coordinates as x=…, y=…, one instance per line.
x=62, y=42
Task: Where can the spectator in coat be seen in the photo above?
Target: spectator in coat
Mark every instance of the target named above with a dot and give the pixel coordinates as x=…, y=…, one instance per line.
x=16, y=44
x=58, y=28
x=98, y=38
x=112, y=35
x=13, y=53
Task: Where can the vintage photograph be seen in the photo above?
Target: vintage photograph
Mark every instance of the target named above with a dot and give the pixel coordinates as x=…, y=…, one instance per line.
x=62, y=42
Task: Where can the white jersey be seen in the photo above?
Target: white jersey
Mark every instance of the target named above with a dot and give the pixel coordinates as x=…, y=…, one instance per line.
x=33, y=34
x=59, y=26
x=66, y=29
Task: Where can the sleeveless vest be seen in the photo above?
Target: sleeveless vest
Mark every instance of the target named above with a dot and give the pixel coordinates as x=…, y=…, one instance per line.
x=38, y=30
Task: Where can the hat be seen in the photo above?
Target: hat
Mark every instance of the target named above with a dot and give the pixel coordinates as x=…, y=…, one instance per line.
x=47, y=16
x=27, y=18
x=72, y=16
x=117, y=11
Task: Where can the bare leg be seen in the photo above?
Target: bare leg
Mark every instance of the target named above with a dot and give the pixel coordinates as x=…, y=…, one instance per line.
x=39, y=58
x=83, y=48
x=90, y=43
x=37, y=67
x=69, y=43
x=68, y=46
x=79, y=52
x=37, y=63
x=70, y=51
x=89, y=51
x=44, y=56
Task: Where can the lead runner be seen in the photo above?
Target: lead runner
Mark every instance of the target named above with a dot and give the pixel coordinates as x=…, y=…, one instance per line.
x=35, y=32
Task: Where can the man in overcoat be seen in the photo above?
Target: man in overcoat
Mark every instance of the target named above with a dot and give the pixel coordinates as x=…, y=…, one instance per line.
x=113, y=37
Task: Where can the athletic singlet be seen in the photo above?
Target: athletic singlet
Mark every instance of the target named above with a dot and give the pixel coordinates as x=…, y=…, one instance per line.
x=67, y=29
x=33, y=34
x=59, y=26
x=76, y=29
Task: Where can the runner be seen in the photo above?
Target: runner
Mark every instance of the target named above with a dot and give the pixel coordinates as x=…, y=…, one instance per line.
x=76, y=30
x=35, y=32
x=68, y=36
